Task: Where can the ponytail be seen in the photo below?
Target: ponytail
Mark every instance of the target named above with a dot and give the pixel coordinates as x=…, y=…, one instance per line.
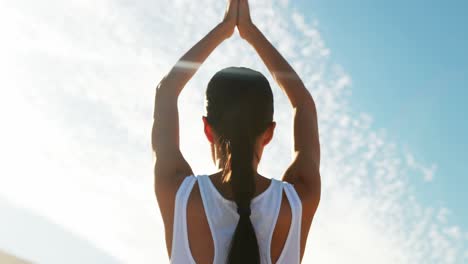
x=240, y=153
x=239, y=104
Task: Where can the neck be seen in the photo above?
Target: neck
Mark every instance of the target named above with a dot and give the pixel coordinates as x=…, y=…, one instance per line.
x=220, y=165
x=219, y=161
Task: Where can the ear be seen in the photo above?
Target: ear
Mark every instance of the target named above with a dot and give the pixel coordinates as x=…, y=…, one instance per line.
x=208, y=130
x=269, y=133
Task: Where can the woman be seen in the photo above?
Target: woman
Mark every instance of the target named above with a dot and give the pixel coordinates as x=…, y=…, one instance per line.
x=236, y=215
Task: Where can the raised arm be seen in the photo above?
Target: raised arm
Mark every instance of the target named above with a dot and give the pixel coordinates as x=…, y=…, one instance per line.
x=170, y=166
x=304, y=170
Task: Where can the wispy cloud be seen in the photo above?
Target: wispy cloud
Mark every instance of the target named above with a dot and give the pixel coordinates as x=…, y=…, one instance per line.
x=79, y=86
x=428, y=172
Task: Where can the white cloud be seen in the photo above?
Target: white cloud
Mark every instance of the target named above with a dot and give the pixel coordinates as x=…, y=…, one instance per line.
x=78, y=98
x=427, y=172
x=453, y=231
x=443, y=215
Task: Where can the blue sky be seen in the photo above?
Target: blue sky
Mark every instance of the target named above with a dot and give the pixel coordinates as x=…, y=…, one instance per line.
x=409, y=65
x=80, y=79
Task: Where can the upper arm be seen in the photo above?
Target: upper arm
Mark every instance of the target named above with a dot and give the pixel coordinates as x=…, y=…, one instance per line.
x=305, y=130
x=170, y=166
x=170, y=169
x=304, y=171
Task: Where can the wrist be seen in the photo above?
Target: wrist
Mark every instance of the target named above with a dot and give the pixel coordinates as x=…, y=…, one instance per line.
x=225, y=29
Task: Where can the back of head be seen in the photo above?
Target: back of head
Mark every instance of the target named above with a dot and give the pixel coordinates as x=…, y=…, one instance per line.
x=239, y=104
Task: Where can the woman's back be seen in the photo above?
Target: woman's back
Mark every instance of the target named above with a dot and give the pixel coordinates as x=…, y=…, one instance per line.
x=206, y=235
x=238, y=125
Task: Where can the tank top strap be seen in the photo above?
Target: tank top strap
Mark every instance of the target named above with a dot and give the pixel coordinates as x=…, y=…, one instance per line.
x=290, y=253
x=213, y=211
x=180, y=252
x=265, y=220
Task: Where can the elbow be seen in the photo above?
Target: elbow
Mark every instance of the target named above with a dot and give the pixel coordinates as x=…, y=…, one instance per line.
x=160, y=88
x=165, y=91
x=308, y=100
x=306, y=104
x=304, y=99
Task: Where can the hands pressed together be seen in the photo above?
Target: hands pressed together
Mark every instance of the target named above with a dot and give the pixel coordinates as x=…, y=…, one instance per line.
x=238, y=14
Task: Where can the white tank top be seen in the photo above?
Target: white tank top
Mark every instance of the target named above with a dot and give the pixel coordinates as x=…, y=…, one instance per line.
x=223, y=217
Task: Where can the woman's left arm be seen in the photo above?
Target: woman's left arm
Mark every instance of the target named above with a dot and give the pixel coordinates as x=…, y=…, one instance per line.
x=171, y=167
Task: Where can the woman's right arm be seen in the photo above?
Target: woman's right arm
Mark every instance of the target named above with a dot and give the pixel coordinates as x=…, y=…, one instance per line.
x=304, y=170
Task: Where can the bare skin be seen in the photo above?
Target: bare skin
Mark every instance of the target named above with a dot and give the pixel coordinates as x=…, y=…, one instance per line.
x=171, y=168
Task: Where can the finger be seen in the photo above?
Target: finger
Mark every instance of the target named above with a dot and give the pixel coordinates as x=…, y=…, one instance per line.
x=244, y=2
x=238, y=12
x=233, y=7
x=227, y=8
x=244, y=7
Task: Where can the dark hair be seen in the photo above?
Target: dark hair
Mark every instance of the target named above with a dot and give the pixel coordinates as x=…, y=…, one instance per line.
x=239, y=104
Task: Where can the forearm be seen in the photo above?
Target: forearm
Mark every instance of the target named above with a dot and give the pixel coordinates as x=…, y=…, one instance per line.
x=174, y=82
x=282, y=72
x=165, y=115
x=306, y=140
